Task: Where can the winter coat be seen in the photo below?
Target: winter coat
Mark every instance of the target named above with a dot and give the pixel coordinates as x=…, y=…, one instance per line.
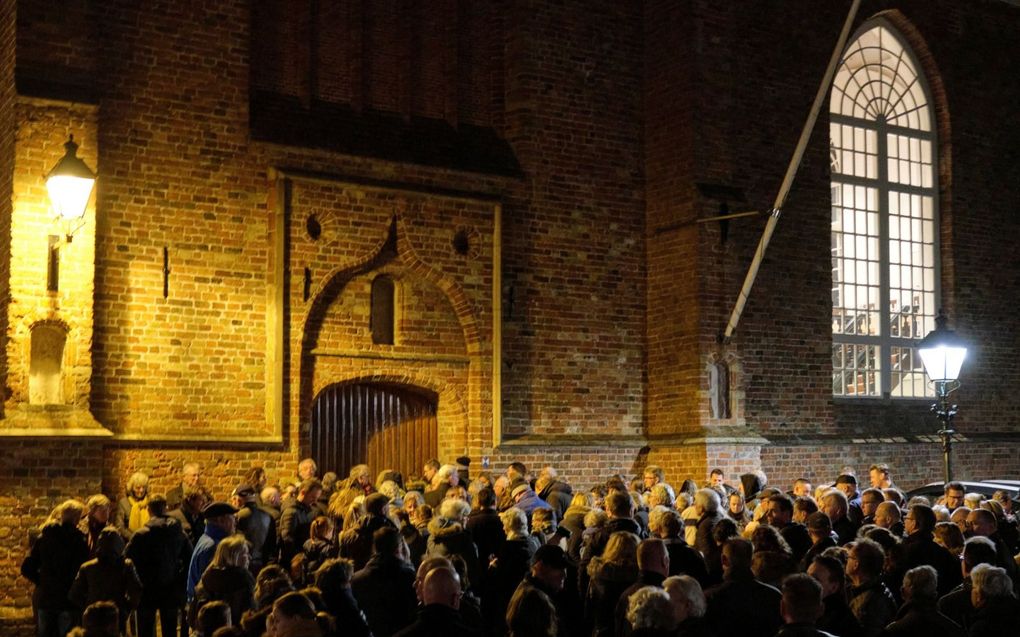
x=838, y=618
x=608, y=581
x=873, y=606
x=356, y=543
x=956, y=605
x=231, y=584
x=384, y=590
x=558, y=495
x=450, y=538
x=436, y=620
x=107, y=578
x=53, y=563
x=259, y=528
x=349, y=618
x=922, y=620
x=920, y=549
x=295, y=526
x=122, y=516
x=996, y=617
x=742, y=605
x=161, y=553
x=573, y=520
x=684, y=560
x=504, y=575
x=192, y=525
x=487, y=530
x=529, y=502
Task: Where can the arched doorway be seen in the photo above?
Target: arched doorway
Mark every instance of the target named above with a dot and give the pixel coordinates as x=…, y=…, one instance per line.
x=383, y=425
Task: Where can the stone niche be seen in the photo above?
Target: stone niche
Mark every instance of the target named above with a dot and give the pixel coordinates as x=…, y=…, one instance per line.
x=46, y=364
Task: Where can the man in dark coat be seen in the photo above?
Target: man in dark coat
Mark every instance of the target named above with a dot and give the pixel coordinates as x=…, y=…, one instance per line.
x=220, y=521
x=707, y=505
x=957, y=604
x=485, y=526
x=801, y=606
x=834, y=504
x=918, y=616
x=439, y=612
x=548, y=574
x=189, y=515
x=296, y=520
x=870, y=600
x=779, y=513
x=52, y=565
x=356, y=543
x=742, y=605
x=554, y=491
x=161, y=552
x=836, y=614
x=257, y=526
x=919, y=548
x=191, y=476
x=997, y=609
x=385, y=587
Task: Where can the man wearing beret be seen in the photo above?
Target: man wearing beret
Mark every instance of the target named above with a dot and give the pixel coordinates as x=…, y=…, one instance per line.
x=219, y=523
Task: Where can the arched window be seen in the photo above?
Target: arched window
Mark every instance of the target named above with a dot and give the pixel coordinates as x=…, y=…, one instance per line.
x=383, y=318
x=885, y=283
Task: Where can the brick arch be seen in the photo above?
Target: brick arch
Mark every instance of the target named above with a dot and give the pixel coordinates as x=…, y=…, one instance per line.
x=394, y=248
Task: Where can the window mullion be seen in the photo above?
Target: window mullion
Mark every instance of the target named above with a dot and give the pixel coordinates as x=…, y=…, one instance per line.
x=884, y=351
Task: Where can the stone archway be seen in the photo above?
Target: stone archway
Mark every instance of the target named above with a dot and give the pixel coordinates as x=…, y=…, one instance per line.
x=384, y=425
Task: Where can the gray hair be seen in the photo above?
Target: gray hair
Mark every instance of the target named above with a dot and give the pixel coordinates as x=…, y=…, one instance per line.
x=390, y=489
x=137, y=479
x=649, y=607
x=991, y=582
x=708, y=499
x=663, y=495
x=687, y=587
x=922, y=582
x=457, y=510
x=515, y=523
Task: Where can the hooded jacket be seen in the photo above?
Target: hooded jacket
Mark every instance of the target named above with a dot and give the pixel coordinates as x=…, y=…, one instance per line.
x=161, y=552
x=109, y=577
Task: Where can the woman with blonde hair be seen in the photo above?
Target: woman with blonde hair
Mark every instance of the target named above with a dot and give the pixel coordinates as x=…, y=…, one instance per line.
x=132, y=509
x=52, y=565
x=227, y=579
x=610, y=574
x=96, y=518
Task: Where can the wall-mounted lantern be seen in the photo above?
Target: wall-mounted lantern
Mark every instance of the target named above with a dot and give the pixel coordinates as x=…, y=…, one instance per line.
x=70, y=185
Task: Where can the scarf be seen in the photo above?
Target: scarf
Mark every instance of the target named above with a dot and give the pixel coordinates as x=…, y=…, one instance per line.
x=139, y=513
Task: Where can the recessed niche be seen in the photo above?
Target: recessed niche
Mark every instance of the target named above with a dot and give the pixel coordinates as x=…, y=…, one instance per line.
x=44, y=376
x=313, y=227
x=466, y=242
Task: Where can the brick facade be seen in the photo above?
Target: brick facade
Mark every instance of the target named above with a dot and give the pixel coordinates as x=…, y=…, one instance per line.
x=531, y=177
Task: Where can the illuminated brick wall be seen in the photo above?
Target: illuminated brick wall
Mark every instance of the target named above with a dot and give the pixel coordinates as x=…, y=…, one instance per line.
x=589, y=124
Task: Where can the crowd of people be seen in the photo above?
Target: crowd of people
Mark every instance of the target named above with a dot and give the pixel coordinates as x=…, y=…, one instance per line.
x=526, y=556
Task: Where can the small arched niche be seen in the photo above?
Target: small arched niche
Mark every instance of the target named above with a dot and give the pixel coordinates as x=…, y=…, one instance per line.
x=45, y=382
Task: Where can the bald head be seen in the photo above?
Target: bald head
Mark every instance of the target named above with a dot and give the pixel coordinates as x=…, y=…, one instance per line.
x=442, y=586
x=887, y=514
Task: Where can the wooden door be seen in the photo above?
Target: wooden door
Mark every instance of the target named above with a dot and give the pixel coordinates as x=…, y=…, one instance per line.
x=385, y=426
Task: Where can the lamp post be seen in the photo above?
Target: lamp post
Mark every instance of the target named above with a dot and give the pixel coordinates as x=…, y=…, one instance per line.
x=942, y=353
x=70, y=185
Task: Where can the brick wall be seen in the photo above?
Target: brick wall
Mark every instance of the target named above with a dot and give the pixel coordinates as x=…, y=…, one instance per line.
x=591, y=124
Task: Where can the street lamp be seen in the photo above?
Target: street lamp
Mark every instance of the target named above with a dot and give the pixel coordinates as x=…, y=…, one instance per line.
x=942, y=353
x=70, y=185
